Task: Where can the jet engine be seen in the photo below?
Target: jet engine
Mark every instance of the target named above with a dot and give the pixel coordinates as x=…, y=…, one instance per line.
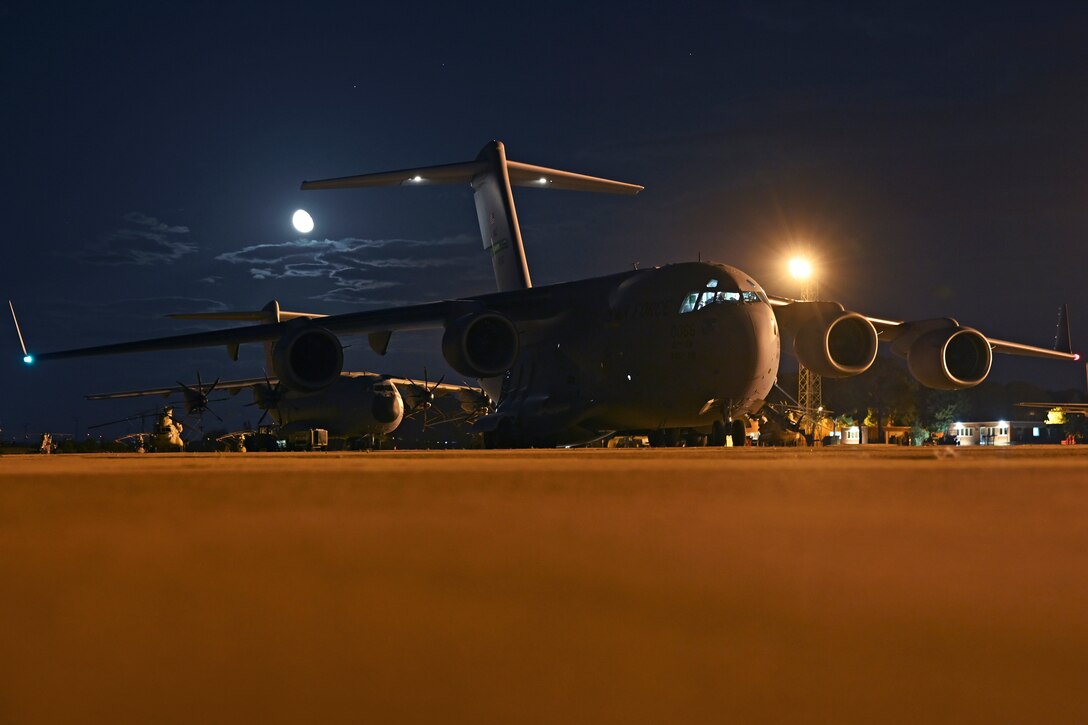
x=839, y=348
x=308, y=358
x=950, y=359
x=827, y=339
x=481, y=344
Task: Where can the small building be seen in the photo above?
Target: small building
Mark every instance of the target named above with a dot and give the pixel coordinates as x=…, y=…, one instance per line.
x=855, y=435
x=1002, y=433
x=864, y=434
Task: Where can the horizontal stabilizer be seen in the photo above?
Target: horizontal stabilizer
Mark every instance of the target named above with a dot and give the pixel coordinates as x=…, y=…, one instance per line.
x=492, y=177
x=422, y=176
x=540, y=177
x=528, y=175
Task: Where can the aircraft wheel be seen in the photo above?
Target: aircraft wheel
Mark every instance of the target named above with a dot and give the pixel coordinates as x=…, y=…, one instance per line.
x=738, y=433
x=666, y=438
x=695, y=440
x=717, y=434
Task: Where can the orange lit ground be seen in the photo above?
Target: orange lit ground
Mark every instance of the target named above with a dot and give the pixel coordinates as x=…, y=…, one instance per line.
x=923, y=585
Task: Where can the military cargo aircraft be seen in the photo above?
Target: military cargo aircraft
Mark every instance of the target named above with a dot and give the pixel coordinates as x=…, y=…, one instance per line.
x=354, y=405
x=693, y=345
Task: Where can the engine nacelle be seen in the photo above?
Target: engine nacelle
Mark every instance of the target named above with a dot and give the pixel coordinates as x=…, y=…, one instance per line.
x=840, y=347
x=481, y=344
x=950, y=359
x=308, y=358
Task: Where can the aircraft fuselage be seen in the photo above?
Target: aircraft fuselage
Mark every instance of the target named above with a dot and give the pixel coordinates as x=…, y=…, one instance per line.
x=677, y=346
x=354, y=405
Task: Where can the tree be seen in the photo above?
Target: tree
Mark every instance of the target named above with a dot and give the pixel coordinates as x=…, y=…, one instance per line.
x=883, y=395
x=939, y=409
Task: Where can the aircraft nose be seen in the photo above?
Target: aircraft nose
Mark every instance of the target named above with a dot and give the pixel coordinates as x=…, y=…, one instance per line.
x=765, y=351
x=387, y=408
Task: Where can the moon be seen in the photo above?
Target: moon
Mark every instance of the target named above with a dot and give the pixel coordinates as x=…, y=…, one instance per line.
x=303, y=221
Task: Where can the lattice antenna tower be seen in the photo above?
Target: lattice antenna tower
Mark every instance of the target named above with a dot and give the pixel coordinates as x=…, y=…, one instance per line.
x=810, y=392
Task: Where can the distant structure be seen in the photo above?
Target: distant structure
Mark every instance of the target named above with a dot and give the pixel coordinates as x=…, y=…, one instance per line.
x=810, y=394
x=1005, y=432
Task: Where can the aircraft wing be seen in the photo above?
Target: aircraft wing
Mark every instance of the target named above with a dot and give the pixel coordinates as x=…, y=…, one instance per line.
x=891, y=330
x=413, y=391
x=223, y=385
x=1074, y=408
x=521, y=307
x=414, y=317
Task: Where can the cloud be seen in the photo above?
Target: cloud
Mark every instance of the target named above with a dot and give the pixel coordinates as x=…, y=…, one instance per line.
x=332, y=252
x=155, y=307
x=135, y=217
x=143, y=241
x=358, y=268
x=357, y=296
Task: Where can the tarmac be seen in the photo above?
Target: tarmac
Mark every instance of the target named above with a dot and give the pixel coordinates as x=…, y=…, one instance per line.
x=602, y=586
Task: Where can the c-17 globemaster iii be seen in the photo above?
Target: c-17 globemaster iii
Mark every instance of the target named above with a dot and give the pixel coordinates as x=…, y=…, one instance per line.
x=693, y=345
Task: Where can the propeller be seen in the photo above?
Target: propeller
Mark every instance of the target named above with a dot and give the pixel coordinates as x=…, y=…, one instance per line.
x=474, y=403
x=267, y=398
x=425, y=401
x=196, y=398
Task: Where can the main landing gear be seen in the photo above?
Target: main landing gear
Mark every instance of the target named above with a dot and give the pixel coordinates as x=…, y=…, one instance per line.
x=721, y=432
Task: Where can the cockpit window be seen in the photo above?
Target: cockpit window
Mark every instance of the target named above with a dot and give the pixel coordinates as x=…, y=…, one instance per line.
x=698, y=300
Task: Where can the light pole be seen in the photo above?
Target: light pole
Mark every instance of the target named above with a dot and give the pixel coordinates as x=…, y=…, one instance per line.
x=809, y=388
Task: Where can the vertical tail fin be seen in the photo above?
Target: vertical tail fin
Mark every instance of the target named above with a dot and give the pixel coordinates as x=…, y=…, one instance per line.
x=491, y=175
x=499, y=219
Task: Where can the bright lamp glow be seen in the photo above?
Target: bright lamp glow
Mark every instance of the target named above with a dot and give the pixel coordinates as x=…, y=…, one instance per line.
x=303, y=221
x=800, y=268
x=28, y=358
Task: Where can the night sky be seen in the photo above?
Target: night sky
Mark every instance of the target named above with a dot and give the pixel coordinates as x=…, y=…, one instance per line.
x=934, y=158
